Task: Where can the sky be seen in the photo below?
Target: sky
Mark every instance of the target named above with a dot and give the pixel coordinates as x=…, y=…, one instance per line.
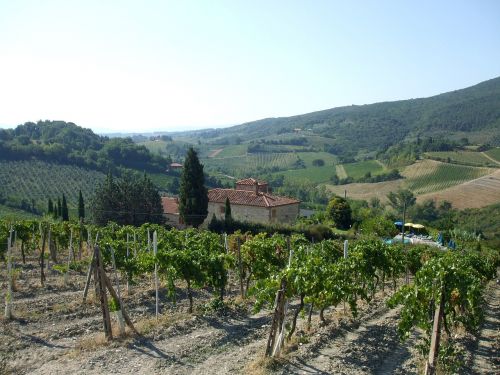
x=138, y=66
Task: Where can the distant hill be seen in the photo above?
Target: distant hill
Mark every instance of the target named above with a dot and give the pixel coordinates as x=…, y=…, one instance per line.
x=66, y=143
x=472, y=112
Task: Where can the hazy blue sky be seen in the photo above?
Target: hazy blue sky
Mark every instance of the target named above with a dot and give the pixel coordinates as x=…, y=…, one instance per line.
x=167, y=65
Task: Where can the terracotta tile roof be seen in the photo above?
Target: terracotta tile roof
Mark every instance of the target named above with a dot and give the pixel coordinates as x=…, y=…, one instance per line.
x=170, y=205
x=248, y=198
x=250, y=181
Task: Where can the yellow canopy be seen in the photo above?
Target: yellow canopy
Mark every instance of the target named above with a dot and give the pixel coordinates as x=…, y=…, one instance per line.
x=408, y=224
x=418, y=226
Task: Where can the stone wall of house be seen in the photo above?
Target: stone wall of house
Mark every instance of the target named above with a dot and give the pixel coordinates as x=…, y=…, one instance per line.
x=255, y=214
x=285, y=214
x=174, y=221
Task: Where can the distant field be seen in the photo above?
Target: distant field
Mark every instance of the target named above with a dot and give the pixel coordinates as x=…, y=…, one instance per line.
x=366, y=191
x=359, y=169
x=155, y=146
x=40, y=180
x=429, y=176
x=471, y=194
x=251, y=164
x=308, y=157
x=312, y=174
x=232, y=150
x=463, y=186
x=8, y=213
x=494, y=153
x=461, y=157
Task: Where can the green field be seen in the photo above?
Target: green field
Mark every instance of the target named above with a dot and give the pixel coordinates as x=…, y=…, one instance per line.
x=312, y=174
x=308, y=158
x=461, y=157
x=230, y=151
x=359, y=169
x=40, y=180
x=443, y=176
x=250, y=165
x=8, y=213
x=494, y=153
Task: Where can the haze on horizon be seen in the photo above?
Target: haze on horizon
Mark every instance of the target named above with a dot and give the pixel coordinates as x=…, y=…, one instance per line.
x=124, y=66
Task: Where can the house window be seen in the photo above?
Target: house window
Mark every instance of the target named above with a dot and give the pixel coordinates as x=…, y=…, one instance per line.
x=273, y=213
x=222, y=209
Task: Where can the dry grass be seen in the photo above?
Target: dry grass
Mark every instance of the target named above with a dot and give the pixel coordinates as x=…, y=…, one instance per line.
x=263, y=365
x=147, y=325
x=477, y=193
x=367, y=191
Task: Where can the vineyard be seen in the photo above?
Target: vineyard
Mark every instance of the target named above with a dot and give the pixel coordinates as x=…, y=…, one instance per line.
x=40, y=180
x=251, y=164
x=461, y=157
x=434, y=176
x=197, y=302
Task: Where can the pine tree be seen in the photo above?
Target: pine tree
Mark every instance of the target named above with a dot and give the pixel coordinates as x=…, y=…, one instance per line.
x=81, y=206
x=193, y=198
x=64, y=209
x=50, y=209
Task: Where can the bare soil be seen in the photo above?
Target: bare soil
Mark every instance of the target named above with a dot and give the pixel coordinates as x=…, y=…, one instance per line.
x=54, y=332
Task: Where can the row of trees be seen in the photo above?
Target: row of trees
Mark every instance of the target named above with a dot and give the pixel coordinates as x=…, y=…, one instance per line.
x=59, y=209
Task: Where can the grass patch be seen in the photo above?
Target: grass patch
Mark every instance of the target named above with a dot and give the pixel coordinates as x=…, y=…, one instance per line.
x=360, y=169
x=494, y=153
x=460, y=157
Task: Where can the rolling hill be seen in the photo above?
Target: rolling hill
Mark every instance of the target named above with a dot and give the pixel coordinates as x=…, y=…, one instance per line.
x=473, y=112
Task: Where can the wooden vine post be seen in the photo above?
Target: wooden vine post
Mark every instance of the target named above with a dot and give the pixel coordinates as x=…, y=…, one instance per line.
x=102, y=285
x=8, y=295
x=128, y=275
x=43, y=234
x=118, y=312
x=101, y=289
x=155, y=249
x=240, y=267
x=278, y=325
x=430, y=366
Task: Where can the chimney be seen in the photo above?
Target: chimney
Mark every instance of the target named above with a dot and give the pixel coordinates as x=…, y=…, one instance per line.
x=256, y=187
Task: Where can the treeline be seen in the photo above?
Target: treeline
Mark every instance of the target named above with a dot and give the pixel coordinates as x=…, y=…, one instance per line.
x=407, y=152
x=66, y=143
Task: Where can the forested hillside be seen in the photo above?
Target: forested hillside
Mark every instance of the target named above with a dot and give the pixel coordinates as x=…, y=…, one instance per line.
x=473, y=112
x=66, y=143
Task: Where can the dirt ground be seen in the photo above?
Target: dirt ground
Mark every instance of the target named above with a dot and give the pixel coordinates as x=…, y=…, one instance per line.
x=54, y=332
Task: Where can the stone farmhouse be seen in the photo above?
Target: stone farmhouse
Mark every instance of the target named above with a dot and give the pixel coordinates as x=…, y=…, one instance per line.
x=251, y=201
x=171, y=212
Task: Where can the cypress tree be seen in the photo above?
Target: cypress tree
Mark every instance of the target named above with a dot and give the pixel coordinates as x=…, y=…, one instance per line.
x=227, y=211
x=50, y=210
x=193, y=198
x=64, y=209
x=81, y=206
x=59, y=208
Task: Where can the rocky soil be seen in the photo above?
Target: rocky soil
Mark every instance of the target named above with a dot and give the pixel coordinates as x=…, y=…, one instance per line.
x=54, y=332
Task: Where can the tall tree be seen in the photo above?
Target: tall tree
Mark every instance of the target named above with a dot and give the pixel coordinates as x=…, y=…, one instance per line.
x=59, y=207
x=193, y=198
x=64, y=209
x=50, y=210
x=339, y=211
x=132, y=200
x=81, y=206
x=400, y=199
x=227, y=211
